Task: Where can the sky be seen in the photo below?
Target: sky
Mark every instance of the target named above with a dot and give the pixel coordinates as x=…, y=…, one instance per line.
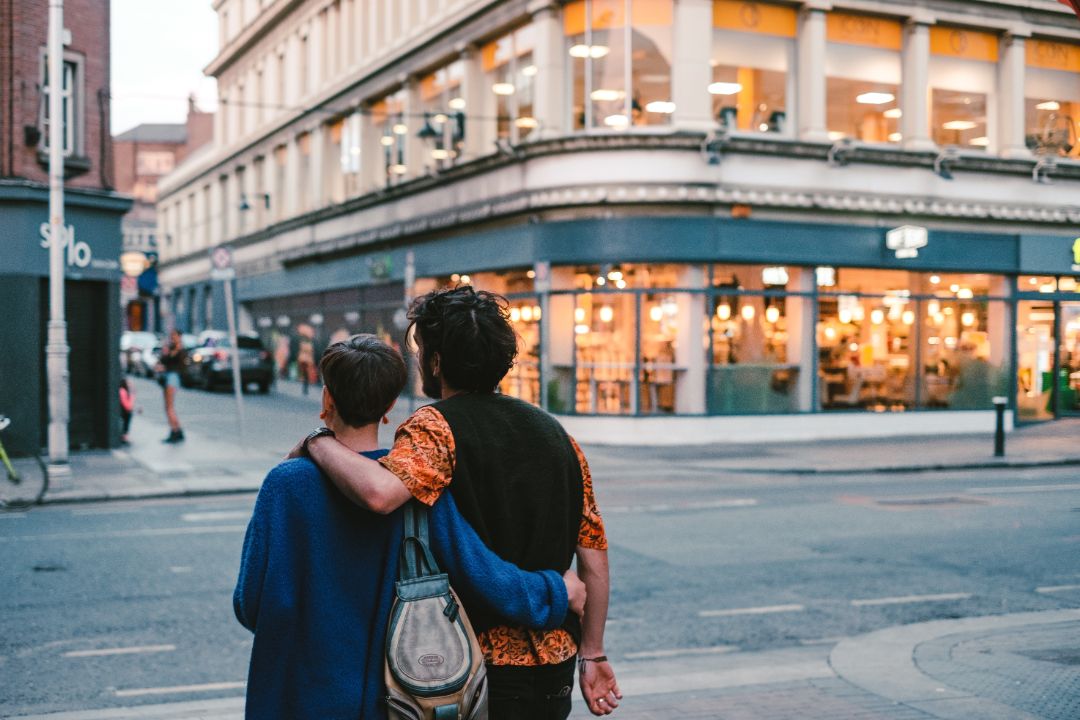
x=159, y=48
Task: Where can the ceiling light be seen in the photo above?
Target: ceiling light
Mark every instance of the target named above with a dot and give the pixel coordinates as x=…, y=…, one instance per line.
x=874, y=98
x=844, y=316
x=954, y=288
x=621, y=284
x=457, y=103
x=606, y=314
x=772, y=314
x=908, y=317
x=530, y=274
x=935, y=279
x=526, y=313
x=1048, y=105
x=724, y=88
x=665, y=107
x=967, y=319
x=440, y=154
x=399, y=169
x=586, y=51
x=579, y=315
x=965, y=294
x=835, y=135
x=466, y=280
x=656, y=313
x=1047, y=288
x=830, y=333
x=515, y=315
x=617, y=121
x=893, y=113
x=763, y=127
x=503, y=88
x=896, y=137
x=980, y=141
x=386, y=140
x=723, y=311
x=439, y=118
x=606, y=95
x=581, y=329
x=959, y=125
x=527, y=123
x=877, y=316
x=601, y=280
x=529, y=71
x=401, y=129
x=826, y=276
x=747, y=312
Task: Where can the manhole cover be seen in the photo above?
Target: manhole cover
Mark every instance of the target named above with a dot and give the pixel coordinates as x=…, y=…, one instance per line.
x=1061, y=656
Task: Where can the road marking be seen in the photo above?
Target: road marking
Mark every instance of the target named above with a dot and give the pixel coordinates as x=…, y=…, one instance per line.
x=1018, y=489
x=679, y=652
x=1057, y=588
x=685, y=507
x=823, y=641
x=205, y=687
x=137, y=650
x=12, y=516
x=910, y=599
x=218, y=515
x=144, y=532
x=79, y=512
x=178, y=569
x=763, y=610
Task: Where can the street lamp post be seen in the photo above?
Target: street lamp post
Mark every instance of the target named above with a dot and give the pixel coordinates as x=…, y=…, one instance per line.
x=56, y=347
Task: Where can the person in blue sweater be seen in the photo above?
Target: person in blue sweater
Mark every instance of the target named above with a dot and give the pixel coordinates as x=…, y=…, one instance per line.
x=317, y=572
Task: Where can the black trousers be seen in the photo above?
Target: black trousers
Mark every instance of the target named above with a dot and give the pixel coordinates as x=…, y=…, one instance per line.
x=542, y=692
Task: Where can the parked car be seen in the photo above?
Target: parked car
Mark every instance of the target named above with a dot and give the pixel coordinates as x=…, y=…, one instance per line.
x=209, y=363
x=132, y=346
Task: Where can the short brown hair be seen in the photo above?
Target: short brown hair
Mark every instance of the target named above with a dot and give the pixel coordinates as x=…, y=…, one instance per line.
x=364, y=375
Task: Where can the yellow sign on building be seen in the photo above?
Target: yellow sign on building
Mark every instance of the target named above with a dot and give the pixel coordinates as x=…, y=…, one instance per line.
x=864, y=30
x=1053, y=55
x=755, y=17
x=966, y=44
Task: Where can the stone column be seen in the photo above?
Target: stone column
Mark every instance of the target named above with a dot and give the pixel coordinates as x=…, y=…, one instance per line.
x=317, y=167
x=801, y=330
x=689, y=352
x=417, y=153
x=549, y=55
x=372, y=167
x=220, y=126
x=1011, y=67
x=477, y=140
x=292, y=178
x=811, y=72
x=915, y=85
x=690, y=69
x=317, y=53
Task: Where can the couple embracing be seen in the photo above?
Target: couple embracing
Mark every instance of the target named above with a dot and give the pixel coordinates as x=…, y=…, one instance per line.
x=511, y=505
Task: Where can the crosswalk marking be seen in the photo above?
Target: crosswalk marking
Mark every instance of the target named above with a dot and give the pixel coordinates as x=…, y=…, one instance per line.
x=175, y=689
x=763, y=610
x=900, y=600
x=137, y=650
x=1057, y=588
x=679, y=652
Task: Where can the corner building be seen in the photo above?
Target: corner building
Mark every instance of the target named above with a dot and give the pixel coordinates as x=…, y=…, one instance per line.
x=715, y=220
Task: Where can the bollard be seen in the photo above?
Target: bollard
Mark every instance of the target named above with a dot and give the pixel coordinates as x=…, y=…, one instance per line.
x=999, y=430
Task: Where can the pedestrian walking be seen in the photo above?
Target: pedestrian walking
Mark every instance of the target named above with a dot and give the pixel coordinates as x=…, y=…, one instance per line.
x=305, y=360
x=171, y=360
x=127, y=409
x=516, y=477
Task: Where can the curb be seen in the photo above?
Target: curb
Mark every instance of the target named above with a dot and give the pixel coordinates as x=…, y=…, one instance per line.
x=896, y=469
x=883, y=663
x=137, y=495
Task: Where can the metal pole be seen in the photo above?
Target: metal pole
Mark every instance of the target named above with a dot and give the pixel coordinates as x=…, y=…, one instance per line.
x=999, y=428
x=56, y=347
x=409, y=279
x=238, y=388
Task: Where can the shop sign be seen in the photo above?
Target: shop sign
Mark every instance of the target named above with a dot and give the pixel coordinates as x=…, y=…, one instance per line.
x=77, y=253
x=1076, y=255
x=754, y=17
x=863, y=30
x=967, y=44
x=907, y=240
x=1052, y=55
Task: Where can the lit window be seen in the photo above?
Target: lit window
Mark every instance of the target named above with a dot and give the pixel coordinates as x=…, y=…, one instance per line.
x=963, y=71
x=608, y=91
x=862, y=69
x=388, y=116
x=1052, y=105
x=510, y=74
x=444, y=118
x=752, y=49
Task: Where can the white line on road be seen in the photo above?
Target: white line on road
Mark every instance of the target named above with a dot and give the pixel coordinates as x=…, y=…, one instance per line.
x=763, y=610
x=687, y=507
x=679, y=652
x=206, y=687
x=218, y=515
x=144, y=532
x=910, y=599
x=12, y=516
x=137, y=650
x=1057, y=588
x=1020, y=489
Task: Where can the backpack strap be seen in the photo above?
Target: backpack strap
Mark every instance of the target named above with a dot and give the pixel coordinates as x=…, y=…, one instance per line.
x=416, y=560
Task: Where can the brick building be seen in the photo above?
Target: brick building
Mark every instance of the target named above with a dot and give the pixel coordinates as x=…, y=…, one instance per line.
x=142, y=155
x=93, y=211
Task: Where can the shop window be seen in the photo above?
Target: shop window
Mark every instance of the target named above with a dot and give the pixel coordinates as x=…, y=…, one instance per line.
x=1037, y=284
x=620, y=54
x=351, y=155
x=963, y=353
x=963, y=81
x=71, y=106
x=443, y=131
x=752, y=51
x=510, y=78
x=862, y=67
x=1052, y=102
x=523, y=380
x=388, y=116
x=605, y=333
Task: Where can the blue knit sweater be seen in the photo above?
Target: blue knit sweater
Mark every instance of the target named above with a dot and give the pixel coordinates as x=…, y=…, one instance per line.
x=317, y=582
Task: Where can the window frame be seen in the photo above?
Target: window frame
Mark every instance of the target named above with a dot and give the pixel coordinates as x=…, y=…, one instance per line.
x=75, y=128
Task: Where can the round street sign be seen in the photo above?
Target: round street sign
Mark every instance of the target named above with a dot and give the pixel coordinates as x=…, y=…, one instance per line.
x=221, y=258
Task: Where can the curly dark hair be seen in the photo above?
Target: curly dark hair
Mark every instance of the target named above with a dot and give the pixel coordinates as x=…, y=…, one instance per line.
x=471, y=332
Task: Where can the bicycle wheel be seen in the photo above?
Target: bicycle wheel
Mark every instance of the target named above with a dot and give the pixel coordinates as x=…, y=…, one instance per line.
x=27, y=486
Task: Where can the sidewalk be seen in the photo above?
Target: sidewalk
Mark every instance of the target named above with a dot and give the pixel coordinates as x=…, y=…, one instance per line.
x=1006, y=667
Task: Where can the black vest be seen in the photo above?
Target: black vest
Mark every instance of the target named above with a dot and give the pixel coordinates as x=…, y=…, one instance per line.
x=517, y=480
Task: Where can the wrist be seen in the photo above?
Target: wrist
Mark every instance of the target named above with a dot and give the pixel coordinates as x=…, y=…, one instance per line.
x=318, y=435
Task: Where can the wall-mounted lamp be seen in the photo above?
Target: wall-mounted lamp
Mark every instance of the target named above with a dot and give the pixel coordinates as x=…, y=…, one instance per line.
x=714, y=144
x=839, y=154
x=244, y=204
x=1041, y=172
x=944, y=162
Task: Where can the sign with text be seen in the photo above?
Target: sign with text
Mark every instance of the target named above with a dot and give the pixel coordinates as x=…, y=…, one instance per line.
x=907, y=240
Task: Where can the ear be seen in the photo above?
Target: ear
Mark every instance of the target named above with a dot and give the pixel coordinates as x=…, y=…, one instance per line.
x=327, y=404
x=435, y=361
x=386, y=415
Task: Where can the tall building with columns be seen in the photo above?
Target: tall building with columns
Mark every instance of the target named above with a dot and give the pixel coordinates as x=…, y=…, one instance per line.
x=714, y=219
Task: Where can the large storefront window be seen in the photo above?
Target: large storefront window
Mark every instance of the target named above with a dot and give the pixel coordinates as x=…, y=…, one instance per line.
x=444, y=122
x=862, y=67
x=752, y=50
x=620, y=53
x=1052, y=102
x=963, y=76
x=510, y=75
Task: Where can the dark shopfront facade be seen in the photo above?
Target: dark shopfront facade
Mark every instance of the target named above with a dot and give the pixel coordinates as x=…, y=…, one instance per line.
x=92, y=313
x=704, y=318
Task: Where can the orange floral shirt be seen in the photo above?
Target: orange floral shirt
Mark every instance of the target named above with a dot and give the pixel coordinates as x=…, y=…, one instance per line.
x=423, y=458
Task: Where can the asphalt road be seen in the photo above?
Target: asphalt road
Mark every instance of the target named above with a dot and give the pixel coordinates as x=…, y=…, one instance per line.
x=130, y=603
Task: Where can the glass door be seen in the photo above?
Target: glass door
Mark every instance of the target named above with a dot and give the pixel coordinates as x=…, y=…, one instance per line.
x=1068, y=370
x=1035, y=339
